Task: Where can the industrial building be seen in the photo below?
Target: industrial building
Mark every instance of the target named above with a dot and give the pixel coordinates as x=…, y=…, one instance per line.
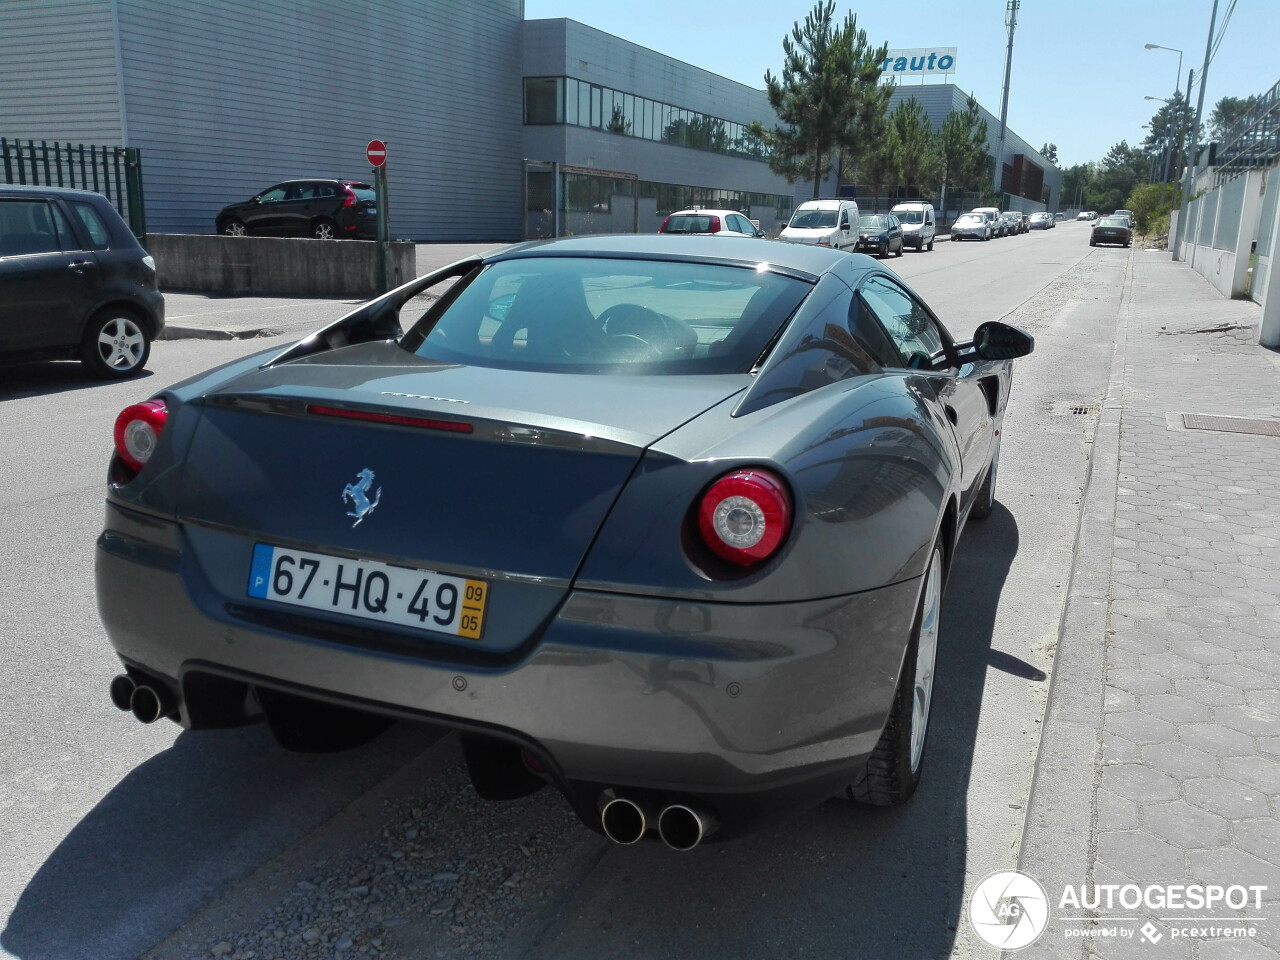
x=496, y=127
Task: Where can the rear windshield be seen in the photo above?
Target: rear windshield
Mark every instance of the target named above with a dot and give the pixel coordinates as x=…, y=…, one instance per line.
x=589, y=315
x=363, y=191
x=910, y=216
x=1114, y=222
x=813, y=218
x=687, y=223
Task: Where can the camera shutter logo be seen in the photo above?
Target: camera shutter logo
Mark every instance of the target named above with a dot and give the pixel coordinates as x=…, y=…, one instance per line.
x=1009, y=910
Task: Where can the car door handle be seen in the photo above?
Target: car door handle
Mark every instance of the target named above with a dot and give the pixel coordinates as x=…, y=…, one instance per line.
x=78, y=265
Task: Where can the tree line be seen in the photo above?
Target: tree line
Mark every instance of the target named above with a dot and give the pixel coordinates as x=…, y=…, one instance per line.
x=834, y=115
x=1145, y=177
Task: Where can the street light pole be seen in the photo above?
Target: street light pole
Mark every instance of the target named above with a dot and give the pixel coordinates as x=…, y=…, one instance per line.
x=1193, y=156
x=1168, y=138
x=1177, y=79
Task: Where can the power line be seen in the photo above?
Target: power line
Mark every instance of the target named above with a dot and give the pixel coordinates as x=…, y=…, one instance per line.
x=1223, y=32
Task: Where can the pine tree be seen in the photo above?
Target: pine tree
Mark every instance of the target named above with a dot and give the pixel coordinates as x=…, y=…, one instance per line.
x=827, y=97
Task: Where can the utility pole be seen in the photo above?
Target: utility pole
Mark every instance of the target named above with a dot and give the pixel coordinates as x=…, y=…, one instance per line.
x=1194, y=155
x=1010, y=21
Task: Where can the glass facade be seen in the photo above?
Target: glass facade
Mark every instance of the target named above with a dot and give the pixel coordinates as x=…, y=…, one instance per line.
x=592, y=203
x=583, y=104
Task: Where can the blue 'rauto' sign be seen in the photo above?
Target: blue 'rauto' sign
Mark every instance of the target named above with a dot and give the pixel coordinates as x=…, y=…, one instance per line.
x=919, y=61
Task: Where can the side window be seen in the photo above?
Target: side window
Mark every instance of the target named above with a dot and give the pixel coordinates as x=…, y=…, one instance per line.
x=870, y=336
x=274, y=195
x=844, y=219
x=301, y=191
x=326, y=191
x=26, y=227
x=66, y=236
x=99, y=235
x=907, y=323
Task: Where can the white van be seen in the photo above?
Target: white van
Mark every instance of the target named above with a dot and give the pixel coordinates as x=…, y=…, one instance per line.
x=992, y=215
x=918, y=228
x=828, y=223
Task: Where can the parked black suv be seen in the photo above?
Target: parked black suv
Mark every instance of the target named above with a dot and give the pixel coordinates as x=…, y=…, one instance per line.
x=74, y=282
x=323, y=209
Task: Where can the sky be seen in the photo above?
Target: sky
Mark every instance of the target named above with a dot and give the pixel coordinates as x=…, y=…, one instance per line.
x=1080, y=71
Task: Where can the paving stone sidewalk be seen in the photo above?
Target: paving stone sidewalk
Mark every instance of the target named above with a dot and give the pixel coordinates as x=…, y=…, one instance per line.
x=1161, y=755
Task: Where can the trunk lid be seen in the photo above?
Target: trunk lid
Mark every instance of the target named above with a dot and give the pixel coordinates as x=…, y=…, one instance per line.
x=516, y=502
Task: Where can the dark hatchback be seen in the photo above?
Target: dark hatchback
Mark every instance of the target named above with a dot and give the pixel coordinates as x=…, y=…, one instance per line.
x=1111, y=230
x=74, y=282
x=880, y=234
x=321, y=209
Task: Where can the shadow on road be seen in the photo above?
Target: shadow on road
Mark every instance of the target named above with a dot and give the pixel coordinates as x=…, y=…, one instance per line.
x=843, y=880
x=179, y=831
x=50, y=377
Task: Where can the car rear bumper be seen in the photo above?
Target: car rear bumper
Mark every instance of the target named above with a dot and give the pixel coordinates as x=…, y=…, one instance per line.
x=620, y=690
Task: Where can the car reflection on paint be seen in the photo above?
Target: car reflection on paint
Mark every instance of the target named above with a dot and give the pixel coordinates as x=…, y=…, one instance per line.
x=621, y=504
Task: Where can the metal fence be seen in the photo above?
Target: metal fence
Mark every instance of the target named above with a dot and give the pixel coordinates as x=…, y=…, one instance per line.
x=1254, y=142
x=114, y=172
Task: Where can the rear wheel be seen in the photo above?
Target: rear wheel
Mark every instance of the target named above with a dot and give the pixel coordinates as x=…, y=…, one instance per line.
x=893, y=769
x=324, y=229
x=1093, y=242
x=900, y=246
x=115, y=344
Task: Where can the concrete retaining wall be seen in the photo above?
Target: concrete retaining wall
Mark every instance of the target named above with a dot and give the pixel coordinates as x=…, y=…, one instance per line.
x=267, y=266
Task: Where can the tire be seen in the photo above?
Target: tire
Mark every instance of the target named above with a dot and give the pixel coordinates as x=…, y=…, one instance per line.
x=324, y=229
x=986, y=499
x=900, y=248
x=930, y=247
x=1093, y=242
x=893, y=769
x=233, y=228
x=116, y=344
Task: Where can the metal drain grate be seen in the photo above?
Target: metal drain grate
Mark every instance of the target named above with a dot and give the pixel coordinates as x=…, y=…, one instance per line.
x=1074, y=408
x=1201, y=421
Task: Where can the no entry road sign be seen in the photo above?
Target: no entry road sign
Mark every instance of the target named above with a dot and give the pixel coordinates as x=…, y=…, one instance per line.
x=376, y=153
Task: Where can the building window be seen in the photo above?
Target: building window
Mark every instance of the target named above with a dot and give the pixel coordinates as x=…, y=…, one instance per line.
x=544, y=100
x=581, y=104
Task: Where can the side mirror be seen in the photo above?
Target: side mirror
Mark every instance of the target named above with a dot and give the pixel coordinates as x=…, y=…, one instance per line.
x=994, y=340
x=257, y=199
x=760, y=233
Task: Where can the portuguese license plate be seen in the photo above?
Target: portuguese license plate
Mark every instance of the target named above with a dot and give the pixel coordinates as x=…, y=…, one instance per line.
x=421, y=599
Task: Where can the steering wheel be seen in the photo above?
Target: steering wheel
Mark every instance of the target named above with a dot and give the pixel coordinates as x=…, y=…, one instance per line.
x=627, y=346
x=628, y=318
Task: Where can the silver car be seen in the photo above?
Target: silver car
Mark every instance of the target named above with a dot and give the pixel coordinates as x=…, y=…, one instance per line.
x=595, y=510
x=971, y=226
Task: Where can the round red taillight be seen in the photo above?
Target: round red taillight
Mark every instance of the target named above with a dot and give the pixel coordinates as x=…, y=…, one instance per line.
x=745, y=516
x=138, y=431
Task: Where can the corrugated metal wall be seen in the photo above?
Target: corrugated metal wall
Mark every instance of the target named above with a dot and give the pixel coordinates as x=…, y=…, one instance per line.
x=58, y=78
x=225, y=99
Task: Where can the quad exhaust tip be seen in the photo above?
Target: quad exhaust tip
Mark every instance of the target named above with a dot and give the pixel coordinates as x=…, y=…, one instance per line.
x=147, y=703
x=684, y=826
x=122, y=688
x=623, y=820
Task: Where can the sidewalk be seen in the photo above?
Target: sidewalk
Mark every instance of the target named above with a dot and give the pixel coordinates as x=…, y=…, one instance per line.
x=1160, y=762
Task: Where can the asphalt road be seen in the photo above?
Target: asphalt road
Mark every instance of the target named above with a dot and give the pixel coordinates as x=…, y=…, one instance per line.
x=117, y=834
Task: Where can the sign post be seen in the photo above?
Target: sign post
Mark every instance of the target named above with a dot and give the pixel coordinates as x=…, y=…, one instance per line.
x=376, y=154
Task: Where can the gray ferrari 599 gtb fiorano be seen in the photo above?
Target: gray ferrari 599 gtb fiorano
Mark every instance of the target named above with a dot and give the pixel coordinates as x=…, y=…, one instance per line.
x=662, y=521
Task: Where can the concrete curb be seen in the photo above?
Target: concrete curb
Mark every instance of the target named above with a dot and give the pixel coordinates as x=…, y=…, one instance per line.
x=172, y=332
x=1058, y=835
